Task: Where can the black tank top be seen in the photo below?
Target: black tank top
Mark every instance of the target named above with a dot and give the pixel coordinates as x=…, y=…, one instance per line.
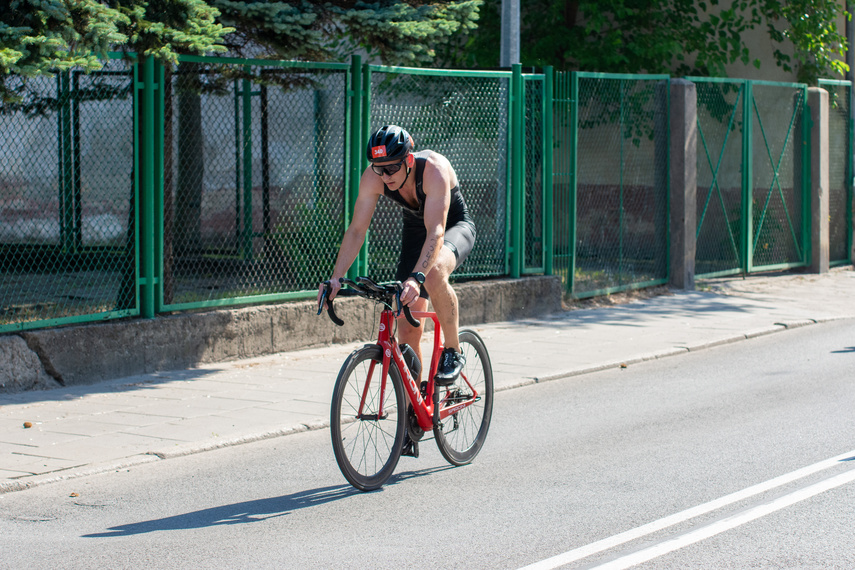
x=457, y=210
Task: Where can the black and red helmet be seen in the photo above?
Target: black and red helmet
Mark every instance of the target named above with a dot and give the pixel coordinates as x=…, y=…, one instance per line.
x=390, y=142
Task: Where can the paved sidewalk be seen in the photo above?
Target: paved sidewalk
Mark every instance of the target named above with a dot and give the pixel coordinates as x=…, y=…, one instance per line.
x=90, y=429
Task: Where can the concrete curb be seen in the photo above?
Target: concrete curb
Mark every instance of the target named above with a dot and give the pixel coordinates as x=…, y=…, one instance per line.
x=76, y=473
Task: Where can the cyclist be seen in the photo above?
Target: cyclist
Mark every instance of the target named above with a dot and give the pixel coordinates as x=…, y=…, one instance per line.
x=437, y=237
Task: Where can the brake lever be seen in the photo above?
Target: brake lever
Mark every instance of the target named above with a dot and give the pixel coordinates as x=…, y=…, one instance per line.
x=407, y=313
x=330, y=310
x=323, y=297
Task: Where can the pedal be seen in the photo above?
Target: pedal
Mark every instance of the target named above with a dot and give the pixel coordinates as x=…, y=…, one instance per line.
x=411, y=449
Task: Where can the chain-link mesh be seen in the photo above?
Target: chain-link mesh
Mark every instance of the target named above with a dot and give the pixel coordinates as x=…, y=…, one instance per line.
x=719, y=167
x=254, y=174
x=840, y=170
x=254, y=186
x=533, y=191
x=465, y=119
x=622, y=188
x=778, y=175
x=67, y=198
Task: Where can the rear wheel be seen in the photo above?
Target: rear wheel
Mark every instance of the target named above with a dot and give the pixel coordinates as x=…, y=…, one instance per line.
x=461, y=435
x=367, y=445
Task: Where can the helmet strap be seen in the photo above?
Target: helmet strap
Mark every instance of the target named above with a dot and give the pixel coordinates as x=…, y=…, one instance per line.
x=405, y=180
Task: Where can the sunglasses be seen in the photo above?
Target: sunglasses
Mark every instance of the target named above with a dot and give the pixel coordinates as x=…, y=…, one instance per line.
x=388, y=170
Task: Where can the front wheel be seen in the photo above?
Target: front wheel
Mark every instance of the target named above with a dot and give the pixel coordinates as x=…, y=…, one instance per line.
x=367, y=444
x=461, y=435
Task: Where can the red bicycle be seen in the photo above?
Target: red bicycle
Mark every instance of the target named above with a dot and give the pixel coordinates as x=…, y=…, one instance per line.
x=379, y=407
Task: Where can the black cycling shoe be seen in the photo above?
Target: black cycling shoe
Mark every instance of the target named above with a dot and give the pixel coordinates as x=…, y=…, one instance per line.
x=450, y=364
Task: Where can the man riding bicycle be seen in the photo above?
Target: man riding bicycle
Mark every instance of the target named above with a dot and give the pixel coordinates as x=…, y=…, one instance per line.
x=438, y=235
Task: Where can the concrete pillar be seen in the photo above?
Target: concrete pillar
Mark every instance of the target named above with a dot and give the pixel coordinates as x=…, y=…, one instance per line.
x=819, y=180
x=684, y=182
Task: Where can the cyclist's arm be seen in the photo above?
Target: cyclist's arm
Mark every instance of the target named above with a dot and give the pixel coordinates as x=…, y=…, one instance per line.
x=370, y=188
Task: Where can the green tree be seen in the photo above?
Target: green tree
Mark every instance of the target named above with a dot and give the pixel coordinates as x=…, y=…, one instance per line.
x=680, y=37
x=392, y=31
x=44, y=36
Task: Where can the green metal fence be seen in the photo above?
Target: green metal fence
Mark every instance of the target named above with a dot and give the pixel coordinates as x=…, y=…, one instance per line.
x=840, y=138
x=753, y=176
x=254, y=179
x=611, y=181
x=779, y=207
x=68, y=241
x=464, y=116
x=719, y=166
x=231, y=181
x=137, y=190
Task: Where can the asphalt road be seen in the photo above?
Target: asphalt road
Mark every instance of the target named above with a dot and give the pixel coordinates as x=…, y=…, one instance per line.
x=734, y=457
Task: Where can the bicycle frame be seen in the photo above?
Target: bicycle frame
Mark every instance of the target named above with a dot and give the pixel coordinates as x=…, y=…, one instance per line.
x=425, y=406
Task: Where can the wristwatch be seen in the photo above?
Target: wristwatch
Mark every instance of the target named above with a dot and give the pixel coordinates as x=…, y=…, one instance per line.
x=419, y=277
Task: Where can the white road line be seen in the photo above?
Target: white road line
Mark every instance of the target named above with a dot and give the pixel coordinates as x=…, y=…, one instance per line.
x=677, y=518
x=726, y=524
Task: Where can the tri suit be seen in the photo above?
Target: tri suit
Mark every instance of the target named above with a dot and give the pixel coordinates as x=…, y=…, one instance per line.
x=459, y=227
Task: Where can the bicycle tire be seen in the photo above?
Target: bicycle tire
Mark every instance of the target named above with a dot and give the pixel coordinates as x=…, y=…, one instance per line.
x=367, y=450
x=460, y=436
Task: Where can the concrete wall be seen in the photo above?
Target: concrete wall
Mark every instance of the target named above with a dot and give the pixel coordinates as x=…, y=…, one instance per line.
x=92, y=353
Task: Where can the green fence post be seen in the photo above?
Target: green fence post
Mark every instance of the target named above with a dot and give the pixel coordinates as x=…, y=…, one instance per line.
x=850, y=179
x=574, y=170
x=246, y=100
x=77, y=195
x=517, y=148
x=747, y=180
x=66, y=162
x=548, y=198
x=158, y=181
x=146, y=217
x=807, y=176
x=352, y=158
x=806, y=156
x=238, y=161
x=361, y=160
x=265, y=172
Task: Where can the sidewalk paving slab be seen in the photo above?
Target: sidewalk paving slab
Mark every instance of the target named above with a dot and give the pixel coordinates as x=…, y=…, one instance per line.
x=116, y=424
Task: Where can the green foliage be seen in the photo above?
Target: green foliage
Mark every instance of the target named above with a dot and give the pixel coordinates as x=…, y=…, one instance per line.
x=44, y=36
x=392, y=31
x=810, y=27
x=40, y=37
x=680, y=37
x=52, y=34
x=399, y=33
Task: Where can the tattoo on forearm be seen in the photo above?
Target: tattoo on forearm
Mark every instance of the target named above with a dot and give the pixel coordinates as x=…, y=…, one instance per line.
x=429, y=253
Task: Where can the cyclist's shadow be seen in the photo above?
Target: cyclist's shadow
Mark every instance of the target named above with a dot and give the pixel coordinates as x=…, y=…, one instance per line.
x=237, y=513
x=249, y=511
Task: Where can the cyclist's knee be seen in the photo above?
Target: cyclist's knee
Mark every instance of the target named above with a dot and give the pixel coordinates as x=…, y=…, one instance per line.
x=441, y=271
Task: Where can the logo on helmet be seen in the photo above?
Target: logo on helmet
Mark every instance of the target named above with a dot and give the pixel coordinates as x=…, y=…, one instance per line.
x=378, y=151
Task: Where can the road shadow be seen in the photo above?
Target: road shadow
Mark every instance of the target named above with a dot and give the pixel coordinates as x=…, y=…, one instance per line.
x=253, y=511
x=237, y=513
